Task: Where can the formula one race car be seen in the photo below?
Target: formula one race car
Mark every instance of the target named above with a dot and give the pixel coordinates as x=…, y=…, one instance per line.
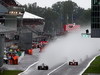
x=73, y=63
x=43, y=67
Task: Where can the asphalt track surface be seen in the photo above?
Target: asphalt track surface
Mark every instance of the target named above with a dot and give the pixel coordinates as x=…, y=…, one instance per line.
x=61, y=69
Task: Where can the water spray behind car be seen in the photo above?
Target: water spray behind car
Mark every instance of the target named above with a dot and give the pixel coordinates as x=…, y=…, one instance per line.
x=68, y=48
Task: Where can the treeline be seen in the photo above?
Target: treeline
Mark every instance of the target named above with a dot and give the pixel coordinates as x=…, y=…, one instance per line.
x=61, y=13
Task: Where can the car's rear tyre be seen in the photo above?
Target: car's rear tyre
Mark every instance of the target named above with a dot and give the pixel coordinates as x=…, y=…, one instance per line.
x=76, y=63
x=46, y=67
x=70, y=63
x=39, y=67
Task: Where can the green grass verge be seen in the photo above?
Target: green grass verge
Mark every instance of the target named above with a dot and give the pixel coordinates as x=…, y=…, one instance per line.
x=94, y=67
x=11, y=72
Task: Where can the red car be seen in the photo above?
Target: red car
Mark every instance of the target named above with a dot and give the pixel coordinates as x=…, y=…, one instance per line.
x=73, y=63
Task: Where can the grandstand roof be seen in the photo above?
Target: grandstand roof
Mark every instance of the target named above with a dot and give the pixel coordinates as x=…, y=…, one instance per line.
x=28, y=15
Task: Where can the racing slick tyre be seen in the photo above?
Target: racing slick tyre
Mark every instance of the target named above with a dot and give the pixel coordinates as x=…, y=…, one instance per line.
x=70, y=63
x=46, y=67
x=39, y=67
x=76, y=63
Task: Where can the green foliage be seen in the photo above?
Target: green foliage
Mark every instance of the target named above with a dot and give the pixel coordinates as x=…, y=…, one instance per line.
x=94, y=67
x=11, y=72
x=61, y=13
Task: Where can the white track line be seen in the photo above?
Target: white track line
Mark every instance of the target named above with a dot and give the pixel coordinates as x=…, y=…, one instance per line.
x=61, y=66
x=29, y=67
x=56, y=68
x=81, y=72
x=88, y=64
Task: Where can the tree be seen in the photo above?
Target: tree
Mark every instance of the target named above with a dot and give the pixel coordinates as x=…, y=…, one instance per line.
x=61, y=13
x=50, y=20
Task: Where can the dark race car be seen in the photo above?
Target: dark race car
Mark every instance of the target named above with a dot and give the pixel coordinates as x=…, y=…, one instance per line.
x=73, y=63
x=43, y=67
